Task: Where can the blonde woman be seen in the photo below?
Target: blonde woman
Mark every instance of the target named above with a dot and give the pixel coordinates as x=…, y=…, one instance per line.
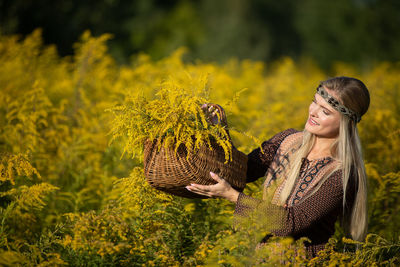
x=319, y=171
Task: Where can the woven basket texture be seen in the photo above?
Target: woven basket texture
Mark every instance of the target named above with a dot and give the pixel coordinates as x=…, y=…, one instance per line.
x=171, y=172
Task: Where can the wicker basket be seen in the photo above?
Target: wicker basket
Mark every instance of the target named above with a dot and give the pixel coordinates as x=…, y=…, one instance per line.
x=170, y=172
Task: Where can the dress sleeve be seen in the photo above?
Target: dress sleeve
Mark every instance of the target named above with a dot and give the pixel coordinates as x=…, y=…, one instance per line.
x=259, y=160
x=326, y=202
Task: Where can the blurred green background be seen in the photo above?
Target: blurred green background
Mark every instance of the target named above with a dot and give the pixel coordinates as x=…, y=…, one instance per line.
x=361, y=32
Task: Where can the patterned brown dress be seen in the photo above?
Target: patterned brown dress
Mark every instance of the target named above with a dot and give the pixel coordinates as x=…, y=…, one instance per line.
x=315, y=216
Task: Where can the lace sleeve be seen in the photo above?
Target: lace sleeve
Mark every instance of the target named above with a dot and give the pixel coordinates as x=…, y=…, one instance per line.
x=325, y=204
x=259, y=160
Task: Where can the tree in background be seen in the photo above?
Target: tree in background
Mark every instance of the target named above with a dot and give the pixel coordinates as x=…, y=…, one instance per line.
x=358, y=31
x=354, y=31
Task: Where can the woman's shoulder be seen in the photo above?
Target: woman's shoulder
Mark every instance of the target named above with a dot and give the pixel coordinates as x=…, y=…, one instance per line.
x=291, y=131
x=287, y=138
x=270, y=146
x=279, y=137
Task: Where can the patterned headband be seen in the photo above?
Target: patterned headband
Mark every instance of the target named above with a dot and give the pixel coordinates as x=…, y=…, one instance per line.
x=336, y=105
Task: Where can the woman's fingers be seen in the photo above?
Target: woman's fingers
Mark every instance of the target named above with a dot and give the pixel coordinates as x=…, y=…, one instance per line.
x=216, y=177
x=204, y=190
x=221, y=189
x=207, y=107
x=217, y=190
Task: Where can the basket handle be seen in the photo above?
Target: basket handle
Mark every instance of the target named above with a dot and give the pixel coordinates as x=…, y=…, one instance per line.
x=213, y=117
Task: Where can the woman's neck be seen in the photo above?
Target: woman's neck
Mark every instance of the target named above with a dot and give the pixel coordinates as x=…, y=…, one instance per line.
x=321, y=148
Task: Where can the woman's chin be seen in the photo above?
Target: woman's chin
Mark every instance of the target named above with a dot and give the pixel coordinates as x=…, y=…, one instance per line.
x=311, y=128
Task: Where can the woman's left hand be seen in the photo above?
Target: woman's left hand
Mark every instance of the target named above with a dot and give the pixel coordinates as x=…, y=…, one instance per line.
x=222, y=189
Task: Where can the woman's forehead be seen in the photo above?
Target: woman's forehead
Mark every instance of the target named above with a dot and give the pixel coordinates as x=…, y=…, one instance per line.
x=322, y=102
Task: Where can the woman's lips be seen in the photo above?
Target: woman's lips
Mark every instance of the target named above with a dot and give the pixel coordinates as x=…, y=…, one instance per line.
x=312, y=122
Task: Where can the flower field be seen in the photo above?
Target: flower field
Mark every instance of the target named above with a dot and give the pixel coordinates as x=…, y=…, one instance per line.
x=73, y=193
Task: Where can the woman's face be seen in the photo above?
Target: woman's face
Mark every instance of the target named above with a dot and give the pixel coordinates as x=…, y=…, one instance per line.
x=323, y=119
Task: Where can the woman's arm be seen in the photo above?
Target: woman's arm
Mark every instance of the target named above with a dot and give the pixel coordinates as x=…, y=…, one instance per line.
x=260, y=160
x=257, y=164
x=327, y=201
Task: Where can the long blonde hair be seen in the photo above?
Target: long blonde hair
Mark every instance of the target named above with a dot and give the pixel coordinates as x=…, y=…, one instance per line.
x=346, y=150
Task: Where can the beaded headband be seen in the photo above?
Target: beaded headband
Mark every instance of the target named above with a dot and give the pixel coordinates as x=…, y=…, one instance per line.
x=336, y=105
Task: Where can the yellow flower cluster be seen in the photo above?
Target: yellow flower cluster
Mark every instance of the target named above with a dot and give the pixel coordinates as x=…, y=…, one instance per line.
x=63, y=195
x=174, y=118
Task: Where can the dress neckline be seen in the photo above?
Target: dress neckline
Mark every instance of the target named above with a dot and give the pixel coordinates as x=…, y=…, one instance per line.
x=318, y=159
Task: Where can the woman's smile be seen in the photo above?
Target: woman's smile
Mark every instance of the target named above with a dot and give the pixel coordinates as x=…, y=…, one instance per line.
x=312, y=122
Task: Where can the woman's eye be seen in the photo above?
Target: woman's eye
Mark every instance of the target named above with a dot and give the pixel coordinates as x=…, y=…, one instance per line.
x=326, y=112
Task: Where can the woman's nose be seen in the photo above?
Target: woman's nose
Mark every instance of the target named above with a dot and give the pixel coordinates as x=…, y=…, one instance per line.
x=313, y=110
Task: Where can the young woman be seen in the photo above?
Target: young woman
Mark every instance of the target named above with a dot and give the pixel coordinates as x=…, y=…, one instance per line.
x=319, y=171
